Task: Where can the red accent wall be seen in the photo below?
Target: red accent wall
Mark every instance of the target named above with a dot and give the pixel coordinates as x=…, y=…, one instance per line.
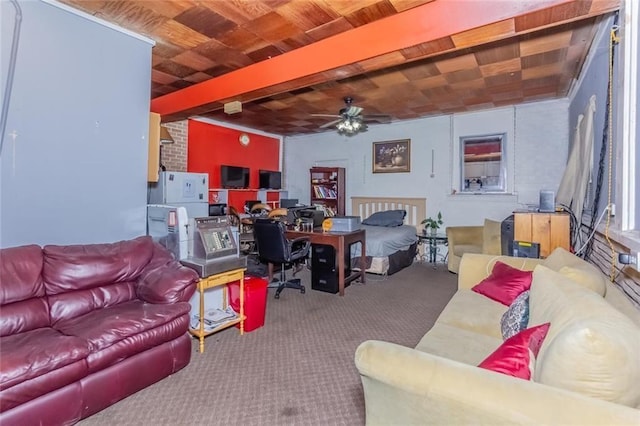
x=211, y=146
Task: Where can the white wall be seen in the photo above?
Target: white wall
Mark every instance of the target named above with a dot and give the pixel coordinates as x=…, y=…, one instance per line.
x=536, y=153
x=76, y=170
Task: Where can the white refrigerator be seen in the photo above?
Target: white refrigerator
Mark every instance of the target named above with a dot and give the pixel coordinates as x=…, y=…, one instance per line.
x=182, y=189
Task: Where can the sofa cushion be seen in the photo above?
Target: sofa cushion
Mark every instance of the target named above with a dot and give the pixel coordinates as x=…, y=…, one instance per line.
x=579, y=270
x=23, y=304
x=475, y=312
x=458, y=344
x=491, y=237
x=504, y=283
x=516, y=356
x=104, y=327
x=517, y=316
x=78, y=267
x=591, y=348
x=37, y=352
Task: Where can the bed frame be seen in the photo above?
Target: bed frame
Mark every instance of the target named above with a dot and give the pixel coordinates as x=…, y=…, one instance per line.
x=416, y=209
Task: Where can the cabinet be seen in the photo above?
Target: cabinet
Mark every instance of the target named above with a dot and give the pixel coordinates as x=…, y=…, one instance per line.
x=221, y=279
x=153, y=158
x=550, y=230
x=328, y=189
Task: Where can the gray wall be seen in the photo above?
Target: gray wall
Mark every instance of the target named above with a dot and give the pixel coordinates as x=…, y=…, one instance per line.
x=76, y=172
x=536, y=152
x=593, y=81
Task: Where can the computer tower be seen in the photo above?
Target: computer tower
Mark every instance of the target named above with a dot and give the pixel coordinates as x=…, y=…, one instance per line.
x=506, y=236
x=324, y=268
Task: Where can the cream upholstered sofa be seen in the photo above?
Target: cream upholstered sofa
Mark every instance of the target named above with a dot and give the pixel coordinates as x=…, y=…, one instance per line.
x=587, y=371
x=483, y=239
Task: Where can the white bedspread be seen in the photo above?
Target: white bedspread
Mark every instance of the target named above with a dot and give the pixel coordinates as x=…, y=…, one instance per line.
x=383, y=241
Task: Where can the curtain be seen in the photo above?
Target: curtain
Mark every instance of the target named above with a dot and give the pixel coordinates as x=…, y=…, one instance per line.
x=573, y=186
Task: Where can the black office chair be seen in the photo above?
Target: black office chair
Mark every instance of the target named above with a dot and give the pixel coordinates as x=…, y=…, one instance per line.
x=275, y=248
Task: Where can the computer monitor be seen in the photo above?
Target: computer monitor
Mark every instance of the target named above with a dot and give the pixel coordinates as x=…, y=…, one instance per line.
x=250, y=203
x=287, y=203
x=312, y=214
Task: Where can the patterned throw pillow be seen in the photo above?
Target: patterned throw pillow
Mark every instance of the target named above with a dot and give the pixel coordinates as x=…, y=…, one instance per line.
x=517, y=316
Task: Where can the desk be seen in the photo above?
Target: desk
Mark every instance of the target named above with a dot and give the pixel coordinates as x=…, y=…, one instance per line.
x=433, y=240
x=340, y=241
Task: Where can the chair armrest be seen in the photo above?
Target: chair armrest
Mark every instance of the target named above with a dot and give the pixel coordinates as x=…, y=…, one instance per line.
x=475, y=267
x=299, y=240
x=170, y=283
x=299, y=247
x=406, y=386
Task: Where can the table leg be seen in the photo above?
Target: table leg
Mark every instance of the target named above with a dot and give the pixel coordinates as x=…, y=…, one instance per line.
x=201, y=318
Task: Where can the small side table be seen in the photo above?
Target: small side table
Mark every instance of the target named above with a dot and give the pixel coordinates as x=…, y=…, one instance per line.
x=433, y=240
x=221, y=279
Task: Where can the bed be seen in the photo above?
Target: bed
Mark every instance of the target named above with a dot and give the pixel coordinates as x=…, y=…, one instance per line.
x=388, y=248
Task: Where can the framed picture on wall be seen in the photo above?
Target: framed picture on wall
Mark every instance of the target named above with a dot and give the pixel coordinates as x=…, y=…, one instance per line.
x=392, y=156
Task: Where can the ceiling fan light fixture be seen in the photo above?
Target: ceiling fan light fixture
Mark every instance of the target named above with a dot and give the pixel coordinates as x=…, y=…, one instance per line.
x=350, y=126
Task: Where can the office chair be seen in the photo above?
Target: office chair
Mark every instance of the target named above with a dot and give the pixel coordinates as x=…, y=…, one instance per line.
x=275, y=248
x=260, y=209
x=246, y=239
x=279, y=214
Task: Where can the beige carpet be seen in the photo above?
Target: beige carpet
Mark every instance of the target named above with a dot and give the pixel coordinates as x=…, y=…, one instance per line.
x=298, y=369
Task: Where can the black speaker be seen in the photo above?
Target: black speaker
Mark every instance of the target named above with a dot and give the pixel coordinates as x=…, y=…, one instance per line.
x=506, y=236
x=324, y=268
x=547, y=202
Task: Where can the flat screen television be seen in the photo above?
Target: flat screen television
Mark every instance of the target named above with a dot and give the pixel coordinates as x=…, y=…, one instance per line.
x=234, y=177
x=270, y=179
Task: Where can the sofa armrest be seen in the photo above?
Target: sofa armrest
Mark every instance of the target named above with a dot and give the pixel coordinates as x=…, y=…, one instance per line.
x=170, y=283
x=406, y=386
x=475, y=267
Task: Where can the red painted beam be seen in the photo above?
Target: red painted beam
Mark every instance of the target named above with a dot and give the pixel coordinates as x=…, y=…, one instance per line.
x=430, y=21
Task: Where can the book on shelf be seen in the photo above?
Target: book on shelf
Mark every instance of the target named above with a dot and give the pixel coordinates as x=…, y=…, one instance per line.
x=327, y=210
x=324, y=192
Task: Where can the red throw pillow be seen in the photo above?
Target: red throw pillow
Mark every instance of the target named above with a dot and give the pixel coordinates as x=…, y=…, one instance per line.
x=513, y=357
x=504, y=284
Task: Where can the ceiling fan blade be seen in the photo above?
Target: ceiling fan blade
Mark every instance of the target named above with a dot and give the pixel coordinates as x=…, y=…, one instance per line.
x=331, y=123
x=326, y=115
x=352, y=111
x=381, y=118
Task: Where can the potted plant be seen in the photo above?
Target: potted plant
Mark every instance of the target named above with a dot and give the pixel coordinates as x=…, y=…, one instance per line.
x=432, y=224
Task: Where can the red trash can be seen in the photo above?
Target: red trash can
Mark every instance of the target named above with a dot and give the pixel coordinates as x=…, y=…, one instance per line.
x=255, y=301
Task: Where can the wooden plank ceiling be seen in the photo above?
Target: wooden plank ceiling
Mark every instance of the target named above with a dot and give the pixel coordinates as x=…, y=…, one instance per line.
x=403, y=58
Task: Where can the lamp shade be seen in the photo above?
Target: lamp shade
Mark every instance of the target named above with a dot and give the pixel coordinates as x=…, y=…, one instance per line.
x=165, y=136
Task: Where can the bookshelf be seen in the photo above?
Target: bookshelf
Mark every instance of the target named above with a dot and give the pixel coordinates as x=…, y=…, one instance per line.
x=327, y=189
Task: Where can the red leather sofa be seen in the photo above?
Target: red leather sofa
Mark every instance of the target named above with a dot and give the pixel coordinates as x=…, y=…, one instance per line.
x=84, y=326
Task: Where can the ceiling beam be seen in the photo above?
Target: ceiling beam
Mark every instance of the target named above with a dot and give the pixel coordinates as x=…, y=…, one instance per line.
x=431, y=21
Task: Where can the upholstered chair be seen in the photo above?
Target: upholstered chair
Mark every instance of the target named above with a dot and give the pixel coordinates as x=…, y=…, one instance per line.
x=472, y=239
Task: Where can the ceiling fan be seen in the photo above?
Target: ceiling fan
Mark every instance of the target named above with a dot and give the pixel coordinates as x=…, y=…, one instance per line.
x=350, y=119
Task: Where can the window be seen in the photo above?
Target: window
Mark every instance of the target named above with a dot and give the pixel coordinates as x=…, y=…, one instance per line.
x=483, y=165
